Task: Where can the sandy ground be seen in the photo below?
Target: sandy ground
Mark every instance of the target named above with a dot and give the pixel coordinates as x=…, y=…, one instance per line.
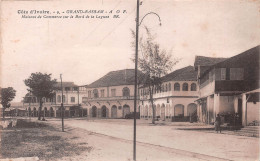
x=112, y=140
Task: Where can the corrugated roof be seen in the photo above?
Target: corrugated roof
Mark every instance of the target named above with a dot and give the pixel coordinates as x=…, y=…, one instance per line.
x=207, y=61
x=184, y=74
x=116, y=78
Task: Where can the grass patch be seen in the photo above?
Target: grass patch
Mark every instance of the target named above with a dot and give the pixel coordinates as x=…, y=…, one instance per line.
x=30, y=139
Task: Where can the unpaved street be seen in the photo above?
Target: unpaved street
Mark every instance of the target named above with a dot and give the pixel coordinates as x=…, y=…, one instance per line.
x=113, y=139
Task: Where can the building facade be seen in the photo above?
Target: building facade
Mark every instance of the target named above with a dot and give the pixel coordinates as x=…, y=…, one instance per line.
x=224, y=88
x=175, y=100
x=111, y=96
x=52, y=106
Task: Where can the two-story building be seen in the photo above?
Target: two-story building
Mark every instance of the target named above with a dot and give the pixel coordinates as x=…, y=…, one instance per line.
x=111, y=96
x=226, y=86
x=174, y=101
x=72, y=96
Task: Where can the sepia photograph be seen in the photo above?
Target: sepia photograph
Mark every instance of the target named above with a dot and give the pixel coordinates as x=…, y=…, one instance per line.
x=129, y=80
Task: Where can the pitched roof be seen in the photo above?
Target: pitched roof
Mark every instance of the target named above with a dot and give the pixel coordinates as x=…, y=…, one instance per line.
x=184, y=74
x=116, y=78
x=207, y=61
x=65, y=84
x=247, y=58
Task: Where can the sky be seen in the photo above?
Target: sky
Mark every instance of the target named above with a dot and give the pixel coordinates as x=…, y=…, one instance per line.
x=83, y=50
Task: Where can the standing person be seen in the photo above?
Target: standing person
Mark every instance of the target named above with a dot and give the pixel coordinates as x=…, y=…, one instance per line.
x=217, y=123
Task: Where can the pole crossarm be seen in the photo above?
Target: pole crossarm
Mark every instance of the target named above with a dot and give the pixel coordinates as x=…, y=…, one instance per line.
x=150, y=14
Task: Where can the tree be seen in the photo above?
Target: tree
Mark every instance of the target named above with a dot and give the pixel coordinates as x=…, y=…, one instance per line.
x=154, y=62
x=7, y=95
x=41, y=86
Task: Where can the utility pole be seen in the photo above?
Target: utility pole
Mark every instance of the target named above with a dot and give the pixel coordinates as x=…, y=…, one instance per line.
x=62, y=120
x=136, y=65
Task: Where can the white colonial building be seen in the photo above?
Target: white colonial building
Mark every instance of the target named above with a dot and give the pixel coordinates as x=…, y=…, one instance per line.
x=111, y=96
x=175, y=100
x=72, y=98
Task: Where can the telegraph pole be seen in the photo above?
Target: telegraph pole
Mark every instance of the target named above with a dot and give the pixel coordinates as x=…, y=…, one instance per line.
x=62, y=120
x=136, y=65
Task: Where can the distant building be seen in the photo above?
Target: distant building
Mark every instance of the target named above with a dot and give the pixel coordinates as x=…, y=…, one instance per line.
x=51, y=106
x=230, y=86
x=111, y=96
x=175, y=101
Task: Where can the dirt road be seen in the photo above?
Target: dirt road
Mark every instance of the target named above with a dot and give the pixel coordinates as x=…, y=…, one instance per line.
x=114, y=139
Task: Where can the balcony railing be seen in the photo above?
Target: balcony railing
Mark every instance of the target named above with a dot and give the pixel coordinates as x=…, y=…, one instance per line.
x=110, y=98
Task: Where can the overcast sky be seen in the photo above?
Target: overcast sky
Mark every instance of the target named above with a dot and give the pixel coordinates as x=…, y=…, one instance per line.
x=84, y=50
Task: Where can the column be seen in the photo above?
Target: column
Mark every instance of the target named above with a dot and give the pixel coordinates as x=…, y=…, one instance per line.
x=216, y=105
x=244, y=110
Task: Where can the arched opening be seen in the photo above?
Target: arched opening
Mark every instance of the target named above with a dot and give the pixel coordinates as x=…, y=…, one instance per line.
x=146, y=111
x=185, y=86
x=126, y=110
x=157, y=111
x=193, y=87
x=170, y=87
x=35, y=113
x=150, y=111
x=74, y=111
x=179, y=110
x=59, y=99
x=45, y=112
x=94, y=111
x=163, y=112
x=29, y=112
x=51, y=112
x=126, y=92
x=192, y=111
x=104, y=111
x=176, y=87
x=85, y=112
x=167, y=111
x=114, y=111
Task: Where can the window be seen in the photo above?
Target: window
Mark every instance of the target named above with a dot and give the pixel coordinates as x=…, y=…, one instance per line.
x=95, y=92
x=166, y=88
x=84, y=99
x=193, y=87
x=89, y=94
x=67, y=88
x=223, y=74
x=72, y=99
x=176, y=87
x=236, y=73
x=185, y=86
x=64, y=98
x=113, y=92
x=141, y=92
x=102, y=93
x=170, y=87
x=126, y=92
x=59, y=98
x=75, y=88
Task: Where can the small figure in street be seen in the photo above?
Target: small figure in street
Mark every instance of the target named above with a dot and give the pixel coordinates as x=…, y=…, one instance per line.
x=217, y=123
x=236, y=121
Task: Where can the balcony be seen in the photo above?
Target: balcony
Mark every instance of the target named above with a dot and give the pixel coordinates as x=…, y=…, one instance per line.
x=116, y=98
x=233, y=85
